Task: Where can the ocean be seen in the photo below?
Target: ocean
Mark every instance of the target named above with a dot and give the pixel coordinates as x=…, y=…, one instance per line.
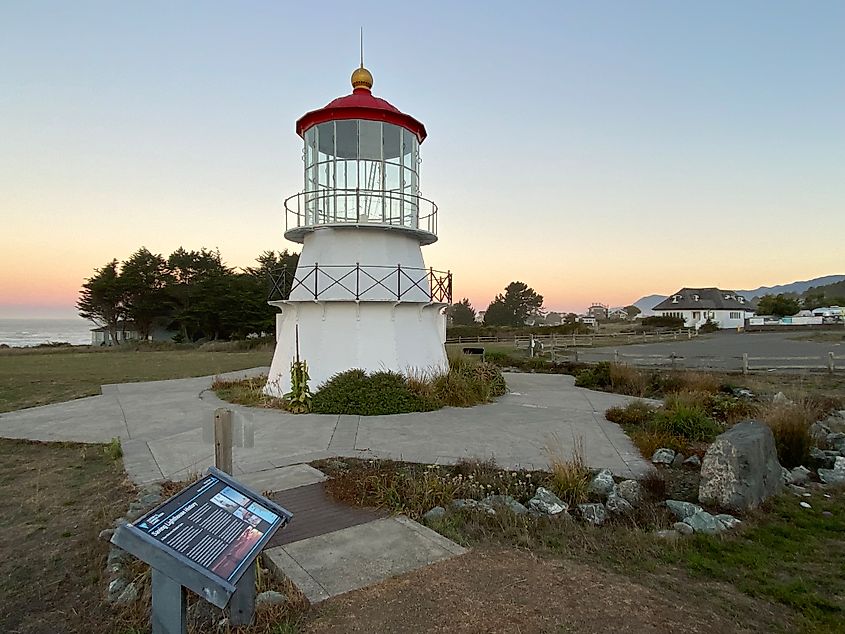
x=23, y=333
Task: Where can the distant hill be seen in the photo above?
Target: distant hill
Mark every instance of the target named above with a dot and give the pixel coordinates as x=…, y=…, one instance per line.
x=645, y=304
x=795, y=287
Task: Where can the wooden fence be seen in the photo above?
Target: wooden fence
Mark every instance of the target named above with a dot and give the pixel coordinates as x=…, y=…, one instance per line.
x=576, y=340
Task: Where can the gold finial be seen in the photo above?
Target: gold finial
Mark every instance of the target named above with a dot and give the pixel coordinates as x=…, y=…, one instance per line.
x=361, y=77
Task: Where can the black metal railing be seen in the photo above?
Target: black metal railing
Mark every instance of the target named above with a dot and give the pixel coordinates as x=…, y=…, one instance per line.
x=361, y=282
x=360, y=206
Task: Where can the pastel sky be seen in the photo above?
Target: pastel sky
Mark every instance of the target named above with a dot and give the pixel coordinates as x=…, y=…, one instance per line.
x=595, y=150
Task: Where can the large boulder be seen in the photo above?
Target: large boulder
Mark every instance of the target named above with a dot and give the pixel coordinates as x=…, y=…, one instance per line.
x=741, y=468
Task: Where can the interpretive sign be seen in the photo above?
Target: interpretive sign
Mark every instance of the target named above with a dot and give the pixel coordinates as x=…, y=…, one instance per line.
x=206, y=537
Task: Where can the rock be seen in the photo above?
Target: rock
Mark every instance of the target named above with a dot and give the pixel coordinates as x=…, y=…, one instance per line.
x=836, y=475
x=703, y=522
x=797, y=490
x=836, y=441
x=434, y=514
x=106, y=534
x=131, y=515
x=805, y=505
x=741, y=468
x=728, y=521
x=780, y=399
x=678, y=460
x=682, y=510
x=116, y=587
x=593, y=513
x=149, y=499
x=602, y=484
x=631, y=491
x=668, y=535
x=547, y=503
x=682, y=528
x=693, y=461
x=820, y=459
x=819, y=430
x=785, y=475
x=741, y=392
x=799, y=475
x=663, y=456
x=827, y=513
x=473, y=505
x=117, y=555
x=505, y=501
x=618, y=505
x=271, y=597
x=129, y=595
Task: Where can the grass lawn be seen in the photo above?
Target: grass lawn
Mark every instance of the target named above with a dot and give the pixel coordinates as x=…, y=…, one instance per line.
x=42, y=376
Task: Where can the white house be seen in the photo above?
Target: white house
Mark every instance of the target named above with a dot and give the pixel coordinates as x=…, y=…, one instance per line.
x=697, y=306
x=829, y=311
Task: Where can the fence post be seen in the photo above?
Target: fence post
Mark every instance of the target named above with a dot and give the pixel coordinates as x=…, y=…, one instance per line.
x=672, y=359
x=616, y=356
x=689, y=334
x=830, y=364
x=745, y=363
x=576, y=355
x=223, y=439
x=644, y=337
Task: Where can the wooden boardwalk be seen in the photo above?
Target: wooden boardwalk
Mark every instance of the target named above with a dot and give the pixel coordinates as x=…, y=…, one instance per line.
x=315, y=513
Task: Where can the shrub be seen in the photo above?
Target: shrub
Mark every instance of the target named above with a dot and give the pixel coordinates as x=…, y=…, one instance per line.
x=354, y=392
x=635, y=413
x=688, y=421
x=249, y=391
x=790, y=425
x=595, y=378
x=627, y=380
x=650, y=439
x=468, y=382
x=662, y=321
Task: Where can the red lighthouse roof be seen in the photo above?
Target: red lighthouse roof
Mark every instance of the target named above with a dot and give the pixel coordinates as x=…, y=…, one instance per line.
x=361, y=104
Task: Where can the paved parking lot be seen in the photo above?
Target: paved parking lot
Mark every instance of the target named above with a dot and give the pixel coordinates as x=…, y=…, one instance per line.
x=723, y=351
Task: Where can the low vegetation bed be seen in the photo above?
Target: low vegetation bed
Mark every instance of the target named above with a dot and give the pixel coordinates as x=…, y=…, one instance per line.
x=787, y=557
x=356, y=392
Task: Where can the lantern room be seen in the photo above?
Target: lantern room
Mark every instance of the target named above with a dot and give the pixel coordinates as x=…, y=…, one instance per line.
x=362, y=158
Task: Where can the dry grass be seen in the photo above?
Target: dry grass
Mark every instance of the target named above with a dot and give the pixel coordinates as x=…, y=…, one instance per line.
x=649, y=440
x=248, y=392
x=700, y=381
x=570, y=477
x=790, y=424
x=628, y=380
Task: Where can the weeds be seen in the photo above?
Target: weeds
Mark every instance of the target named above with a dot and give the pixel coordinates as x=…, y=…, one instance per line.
x=113, y=450
x=790, y=425
x=570, y=478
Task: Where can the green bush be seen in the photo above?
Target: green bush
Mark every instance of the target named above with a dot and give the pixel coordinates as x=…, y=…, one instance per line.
x=689, y=421
x=595, y=378
x=468, y=382
x=355, y=392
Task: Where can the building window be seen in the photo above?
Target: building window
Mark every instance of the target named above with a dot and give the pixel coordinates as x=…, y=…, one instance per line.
x=736, y=315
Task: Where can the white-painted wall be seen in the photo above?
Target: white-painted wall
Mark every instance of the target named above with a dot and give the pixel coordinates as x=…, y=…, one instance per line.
x=336, y=250
x=372, y=336
x=697, y=318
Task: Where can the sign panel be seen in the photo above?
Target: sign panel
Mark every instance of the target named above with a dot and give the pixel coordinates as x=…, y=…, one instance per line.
x=216, y=527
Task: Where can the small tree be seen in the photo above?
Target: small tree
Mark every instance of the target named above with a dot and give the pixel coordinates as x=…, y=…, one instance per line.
x=779, y=305
x=462, y=313
x=102, y=299
x=632, y=311
x=513, y=308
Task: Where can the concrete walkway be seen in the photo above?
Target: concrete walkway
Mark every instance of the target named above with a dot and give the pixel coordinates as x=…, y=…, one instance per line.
x=160, y=427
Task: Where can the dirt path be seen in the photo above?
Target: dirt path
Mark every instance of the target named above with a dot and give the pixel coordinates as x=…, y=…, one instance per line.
x=505, y=590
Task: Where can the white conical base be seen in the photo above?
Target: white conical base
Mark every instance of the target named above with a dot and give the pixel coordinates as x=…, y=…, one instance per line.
x=338, y=336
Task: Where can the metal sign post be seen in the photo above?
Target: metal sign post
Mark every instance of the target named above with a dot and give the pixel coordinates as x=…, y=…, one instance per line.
x=225, y=432
x=206, y=539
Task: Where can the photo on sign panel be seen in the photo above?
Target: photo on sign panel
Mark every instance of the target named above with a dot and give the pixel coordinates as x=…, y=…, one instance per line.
x=225, y=503
x=263, y=513
x=237, y=496
x=236, y=552
x=248, y=517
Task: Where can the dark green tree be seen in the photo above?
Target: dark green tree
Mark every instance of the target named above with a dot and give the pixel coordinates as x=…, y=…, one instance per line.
x=194, y=291
x=513, y=308
x=461, y=313
x=145, y=279
x=632, y=311
x=779, y=305
x=102, y=299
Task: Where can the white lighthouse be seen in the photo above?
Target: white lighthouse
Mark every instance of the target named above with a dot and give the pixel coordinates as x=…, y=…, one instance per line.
x=361, y=296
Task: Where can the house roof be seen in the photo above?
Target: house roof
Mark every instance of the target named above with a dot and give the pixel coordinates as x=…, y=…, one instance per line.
x=704, y=299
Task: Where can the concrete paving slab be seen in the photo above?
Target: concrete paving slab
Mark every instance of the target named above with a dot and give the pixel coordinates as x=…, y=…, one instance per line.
x=282, y=478
x=355, y=557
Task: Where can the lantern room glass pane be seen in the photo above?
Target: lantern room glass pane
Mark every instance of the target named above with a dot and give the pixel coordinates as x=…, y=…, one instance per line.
x=392, y=142
x=369, y=140
x=347, y=139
